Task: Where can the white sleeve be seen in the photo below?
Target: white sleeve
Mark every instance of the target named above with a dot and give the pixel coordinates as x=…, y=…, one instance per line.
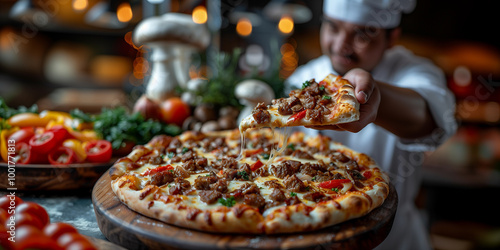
x=429, y=81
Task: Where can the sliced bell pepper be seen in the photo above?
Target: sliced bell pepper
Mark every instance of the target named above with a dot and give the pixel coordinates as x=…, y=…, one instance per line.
x=43, y=143
x=22, y=135
x=62, y=156
x=25, y=155
x=157, y=170
x=4, y=135
x=256, y=165
x=298, y=116
x=333, y=183
x=250, y=152
x=28, y=120
x=98, y=151
x=77, y=147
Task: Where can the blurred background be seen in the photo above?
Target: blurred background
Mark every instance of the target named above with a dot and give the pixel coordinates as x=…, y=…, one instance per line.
x=65, y=54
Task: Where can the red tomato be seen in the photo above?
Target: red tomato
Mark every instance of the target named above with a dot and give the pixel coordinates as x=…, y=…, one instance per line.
x=43, y=143
x=34, y=209
x=7, y=201
x=298, y=116
x=98, y=151
x=22, y=135
x=81, y=245
x=256, y=165
x=4, y=216
x=174, y=110
x=29, y=237
x=62, y=156
x=54, y=230
x=66, y=239
x=22, y=219
x=4, y=238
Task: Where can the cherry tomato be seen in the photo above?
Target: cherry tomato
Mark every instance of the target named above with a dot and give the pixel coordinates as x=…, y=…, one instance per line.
x=54, y=230
x=4, y=216
x=22, y=135
x=66, y=239
x=25, y=219
x=29, y=237
x=43, y=143
x=174, y=110
x=7, y=201
x=4, y=238
x=34, y=209
x=98, y=151
x=62, y=156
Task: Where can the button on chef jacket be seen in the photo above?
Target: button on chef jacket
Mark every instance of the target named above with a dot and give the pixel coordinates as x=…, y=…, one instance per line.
x=401, y=158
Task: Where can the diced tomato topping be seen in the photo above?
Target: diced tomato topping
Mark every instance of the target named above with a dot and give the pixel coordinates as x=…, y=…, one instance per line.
x=323, y=83
x=333, y=183
x=256, y=165
x=157, y=170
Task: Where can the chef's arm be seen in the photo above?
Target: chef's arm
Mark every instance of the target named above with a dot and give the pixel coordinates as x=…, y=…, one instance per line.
x=403, y=112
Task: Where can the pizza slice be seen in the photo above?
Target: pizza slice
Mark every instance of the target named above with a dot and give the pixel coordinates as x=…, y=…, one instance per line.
x=331, y=101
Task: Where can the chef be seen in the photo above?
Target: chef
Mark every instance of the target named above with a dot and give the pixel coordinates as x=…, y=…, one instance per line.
x=405, y=110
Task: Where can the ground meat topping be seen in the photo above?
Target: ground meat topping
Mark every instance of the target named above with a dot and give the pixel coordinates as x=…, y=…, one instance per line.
x=294, y=184
x=260, y=114
x=277, y=195
x=209, y=196
x=203, y=182
x=255, y=200
x=161, y=178
x=181, y=186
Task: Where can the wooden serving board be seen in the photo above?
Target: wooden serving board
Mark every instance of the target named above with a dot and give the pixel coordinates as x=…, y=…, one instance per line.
x=36, y=177
x=131, y=230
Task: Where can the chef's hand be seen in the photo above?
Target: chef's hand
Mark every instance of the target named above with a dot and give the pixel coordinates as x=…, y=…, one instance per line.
x=368, y=96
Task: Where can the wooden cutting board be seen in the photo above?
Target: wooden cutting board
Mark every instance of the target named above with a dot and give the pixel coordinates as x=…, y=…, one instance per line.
x=131, y=230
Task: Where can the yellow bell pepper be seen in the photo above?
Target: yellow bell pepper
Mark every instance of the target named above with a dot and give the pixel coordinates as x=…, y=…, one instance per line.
x=4, y=135
x=28, y=120
x=77, y=147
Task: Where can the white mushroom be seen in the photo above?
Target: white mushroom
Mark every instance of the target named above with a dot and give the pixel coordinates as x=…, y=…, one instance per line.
x=173, y=38
x=250, y=93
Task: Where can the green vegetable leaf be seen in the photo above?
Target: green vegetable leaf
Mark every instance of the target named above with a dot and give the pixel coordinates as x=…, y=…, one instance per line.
x=229, y=202
x=243, y=175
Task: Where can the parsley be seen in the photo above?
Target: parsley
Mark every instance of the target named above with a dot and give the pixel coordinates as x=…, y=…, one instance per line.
x=171, y=170
x=243, y=175
x=118, y=127
x=170, y=155
x=169, y=185
x=327, y=97
x=265, y=156
x=185, y=150
x=321, y=87
x=291, y=146
x=6, y=112
x=313, y=179
x=292, y=194
x=229, y=202
x=305, y=84
x=335, y=189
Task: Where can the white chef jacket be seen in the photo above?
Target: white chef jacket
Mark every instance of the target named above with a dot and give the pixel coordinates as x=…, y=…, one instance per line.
x=401, y=158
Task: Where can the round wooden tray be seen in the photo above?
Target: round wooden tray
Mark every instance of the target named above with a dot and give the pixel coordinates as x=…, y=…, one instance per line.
x=36, y=177
x=127, y=228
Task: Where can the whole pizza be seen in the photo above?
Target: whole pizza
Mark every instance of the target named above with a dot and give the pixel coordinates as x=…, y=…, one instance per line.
x=211, y=182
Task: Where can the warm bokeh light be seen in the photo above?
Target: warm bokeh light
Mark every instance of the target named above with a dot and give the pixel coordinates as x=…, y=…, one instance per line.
x=124, y=12
x=80, y=5
x=200, y=15
x=286, y=25
x=289, y=59
x=244, y=27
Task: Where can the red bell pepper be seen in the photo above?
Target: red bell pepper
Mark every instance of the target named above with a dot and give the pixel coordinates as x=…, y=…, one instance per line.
x=333, y=183
x=22, y=135
x=43, y=143
x=62, y=156
x=98, y=151
x=60, y=132
x=157, y=170
x=298, y=116
x=250, y=152
x=256, y=165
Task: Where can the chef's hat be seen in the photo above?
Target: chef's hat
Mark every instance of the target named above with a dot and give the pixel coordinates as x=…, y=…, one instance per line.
x=375, y=13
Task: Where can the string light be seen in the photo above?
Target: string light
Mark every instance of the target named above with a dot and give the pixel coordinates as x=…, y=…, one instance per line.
x=200, y=15
x=244, y=27
x=124, y=12
x=285, y=25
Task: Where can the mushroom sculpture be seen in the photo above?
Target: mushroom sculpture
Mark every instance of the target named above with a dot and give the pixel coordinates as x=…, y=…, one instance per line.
x=250, y=93
x=173, y=38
